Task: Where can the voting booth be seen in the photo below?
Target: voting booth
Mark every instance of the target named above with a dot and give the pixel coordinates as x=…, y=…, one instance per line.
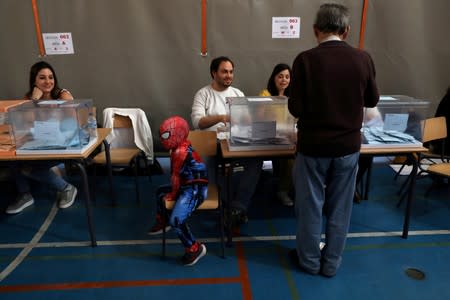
x=51, y=126
x=260, y=123
x=396, y=121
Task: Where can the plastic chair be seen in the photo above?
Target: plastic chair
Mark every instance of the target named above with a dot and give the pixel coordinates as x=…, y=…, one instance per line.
x=124, y=152
x=205, y=143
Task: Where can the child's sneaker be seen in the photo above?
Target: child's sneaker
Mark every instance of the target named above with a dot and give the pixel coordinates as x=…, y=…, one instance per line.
x=193, y=254
x=158, y=227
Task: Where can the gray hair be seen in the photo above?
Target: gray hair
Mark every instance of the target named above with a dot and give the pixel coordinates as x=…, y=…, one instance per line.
x=332, y=18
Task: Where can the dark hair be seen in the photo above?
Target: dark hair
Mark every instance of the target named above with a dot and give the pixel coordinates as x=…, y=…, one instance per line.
x=271, y=87
x=215, y=63
x=332, y=18
x=34, y=70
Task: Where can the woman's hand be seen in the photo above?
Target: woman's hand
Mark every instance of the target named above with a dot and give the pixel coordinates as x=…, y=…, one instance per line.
x=36, y=94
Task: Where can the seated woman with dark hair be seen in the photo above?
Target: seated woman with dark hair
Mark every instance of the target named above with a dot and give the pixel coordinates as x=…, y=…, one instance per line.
x=43, y=86
x=443, y=110
x=278, y=85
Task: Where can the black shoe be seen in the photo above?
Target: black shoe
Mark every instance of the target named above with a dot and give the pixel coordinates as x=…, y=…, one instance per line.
x=238, y=217
x=357, y=197
x=158, y=227
x=191, y=258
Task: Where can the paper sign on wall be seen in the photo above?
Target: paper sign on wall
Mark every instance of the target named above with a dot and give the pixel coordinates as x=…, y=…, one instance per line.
x=58, y=43
x=285, y=27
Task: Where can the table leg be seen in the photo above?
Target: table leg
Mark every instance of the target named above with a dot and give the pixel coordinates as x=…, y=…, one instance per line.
x=87, y=202
x=368, y=175
x=109, y=169
x=412, y=184
x=228, y=223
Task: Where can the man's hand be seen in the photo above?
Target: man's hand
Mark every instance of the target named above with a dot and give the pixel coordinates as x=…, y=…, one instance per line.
x=225, y=119
x=211, y=120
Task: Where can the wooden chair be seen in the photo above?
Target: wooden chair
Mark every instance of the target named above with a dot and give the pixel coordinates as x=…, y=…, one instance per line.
x=123, y=156
x=434, y=129
x=205, y=143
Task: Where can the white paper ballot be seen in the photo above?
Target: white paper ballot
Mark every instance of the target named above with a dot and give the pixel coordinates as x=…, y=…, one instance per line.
x=259, y=99
x=47, y=131
x=51, y=102
x=397, y=122
x=387, y=98
x=264, y=130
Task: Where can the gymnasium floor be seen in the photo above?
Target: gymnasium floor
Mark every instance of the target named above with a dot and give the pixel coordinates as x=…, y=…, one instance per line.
x=45, y=252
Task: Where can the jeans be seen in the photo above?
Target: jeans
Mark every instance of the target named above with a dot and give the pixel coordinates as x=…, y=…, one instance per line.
x=245, y=175
x=244, y=179
x=323, y=186
x=39, y=171
x=282, y=170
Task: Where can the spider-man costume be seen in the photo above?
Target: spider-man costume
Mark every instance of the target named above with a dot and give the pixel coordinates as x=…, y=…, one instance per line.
x=188, y=179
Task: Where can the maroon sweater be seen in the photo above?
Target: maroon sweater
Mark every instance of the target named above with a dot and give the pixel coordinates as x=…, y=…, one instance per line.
x=330, y=85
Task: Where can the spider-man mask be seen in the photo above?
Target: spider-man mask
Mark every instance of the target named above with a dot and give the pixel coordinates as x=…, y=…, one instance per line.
x=173, y=131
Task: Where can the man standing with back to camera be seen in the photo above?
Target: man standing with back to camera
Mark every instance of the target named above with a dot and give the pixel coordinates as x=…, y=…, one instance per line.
x=331, y=84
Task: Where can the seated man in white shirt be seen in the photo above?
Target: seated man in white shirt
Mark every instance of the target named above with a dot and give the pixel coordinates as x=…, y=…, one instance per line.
x=210, y=112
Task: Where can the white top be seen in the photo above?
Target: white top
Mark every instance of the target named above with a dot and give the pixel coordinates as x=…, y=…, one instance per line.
x=208, y=101
x=331, y=38
x=141, y=128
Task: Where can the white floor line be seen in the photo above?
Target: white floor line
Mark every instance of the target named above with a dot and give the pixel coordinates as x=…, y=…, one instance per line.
x=28, y=247
x=217, y=240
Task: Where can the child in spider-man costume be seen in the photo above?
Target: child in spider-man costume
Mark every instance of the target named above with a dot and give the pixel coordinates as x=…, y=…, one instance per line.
x=188, y=186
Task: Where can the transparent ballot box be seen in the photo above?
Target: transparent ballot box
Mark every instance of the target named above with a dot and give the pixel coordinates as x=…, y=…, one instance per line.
x=7, y=144
x=5, y=105
x=51, y=126
x=260, y=123
x=396, y=121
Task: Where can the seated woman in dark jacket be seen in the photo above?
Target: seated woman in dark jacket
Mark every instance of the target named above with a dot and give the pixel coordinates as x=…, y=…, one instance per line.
x=443, y=110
